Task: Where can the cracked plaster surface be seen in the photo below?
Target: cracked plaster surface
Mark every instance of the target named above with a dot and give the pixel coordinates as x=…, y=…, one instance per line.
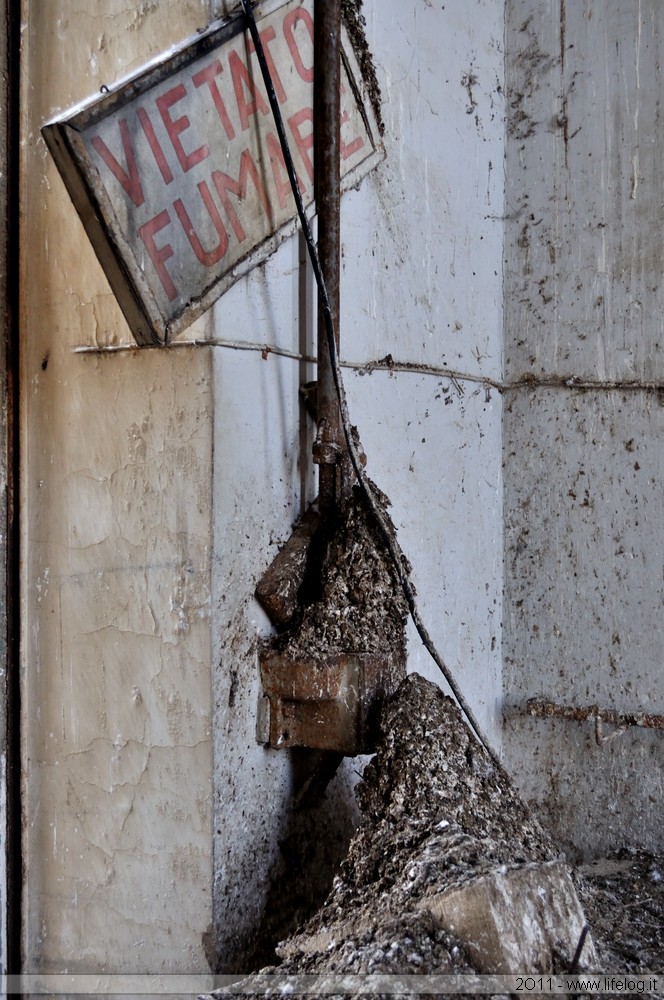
x=117, y=679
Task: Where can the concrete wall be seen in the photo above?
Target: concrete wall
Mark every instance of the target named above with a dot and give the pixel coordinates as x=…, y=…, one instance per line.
x=421, y=281
x=584, y=556
x=117, y=451
x=158, y=487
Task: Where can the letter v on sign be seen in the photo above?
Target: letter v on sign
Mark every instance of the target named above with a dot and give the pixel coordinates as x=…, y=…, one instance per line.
x=174, y=172
x=129, y=177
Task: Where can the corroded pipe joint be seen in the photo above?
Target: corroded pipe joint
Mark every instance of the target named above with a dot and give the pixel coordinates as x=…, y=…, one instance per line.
x=326, y=453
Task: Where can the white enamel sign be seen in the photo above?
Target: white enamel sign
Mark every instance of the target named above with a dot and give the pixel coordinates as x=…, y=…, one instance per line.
x=178, y=175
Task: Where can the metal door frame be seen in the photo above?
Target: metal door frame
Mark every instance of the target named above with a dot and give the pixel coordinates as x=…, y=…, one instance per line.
x=10, y=776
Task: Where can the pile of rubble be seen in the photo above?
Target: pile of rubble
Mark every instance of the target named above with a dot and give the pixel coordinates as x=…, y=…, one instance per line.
x=448, y=872
x=349, y=597
x=623, y=899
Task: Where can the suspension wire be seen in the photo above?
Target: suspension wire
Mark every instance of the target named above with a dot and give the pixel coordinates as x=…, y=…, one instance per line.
x=364, y=483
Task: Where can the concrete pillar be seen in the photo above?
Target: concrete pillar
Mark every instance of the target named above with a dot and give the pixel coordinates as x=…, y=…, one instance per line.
x=421, y=341
x=117, y=455
x=9, y=767
x=582, y=439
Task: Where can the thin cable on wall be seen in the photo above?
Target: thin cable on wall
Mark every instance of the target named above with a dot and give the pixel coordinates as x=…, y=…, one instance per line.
x=363, y=482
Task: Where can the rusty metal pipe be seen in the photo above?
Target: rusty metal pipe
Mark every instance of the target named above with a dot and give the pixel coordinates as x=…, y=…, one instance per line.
x=581, y=713
x=329, y=445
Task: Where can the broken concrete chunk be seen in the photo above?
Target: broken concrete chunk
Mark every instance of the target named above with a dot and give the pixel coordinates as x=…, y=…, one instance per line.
x=278, y=588
x=527, y=918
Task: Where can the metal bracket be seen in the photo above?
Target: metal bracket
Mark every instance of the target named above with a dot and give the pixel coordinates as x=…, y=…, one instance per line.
x=329, y=702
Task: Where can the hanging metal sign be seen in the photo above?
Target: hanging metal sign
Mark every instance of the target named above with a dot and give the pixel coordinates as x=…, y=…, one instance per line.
x=178, y=175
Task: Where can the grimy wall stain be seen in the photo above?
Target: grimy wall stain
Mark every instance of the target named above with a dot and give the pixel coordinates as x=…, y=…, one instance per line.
x=584, y=554
x=116, y=449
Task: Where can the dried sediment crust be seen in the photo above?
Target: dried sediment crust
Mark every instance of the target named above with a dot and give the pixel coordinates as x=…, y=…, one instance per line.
x=437, y=814
x=436, y=809
x=360, y=605
x=351, y=11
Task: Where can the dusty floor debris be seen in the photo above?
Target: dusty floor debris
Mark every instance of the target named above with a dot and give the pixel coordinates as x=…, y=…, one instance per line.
x=438, y=815
x=623, y=898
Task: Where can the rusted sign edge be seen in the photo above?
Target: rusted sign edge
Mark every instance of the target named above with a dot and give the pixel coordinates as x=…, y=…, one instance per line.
x=95, y=209
x=95, y=212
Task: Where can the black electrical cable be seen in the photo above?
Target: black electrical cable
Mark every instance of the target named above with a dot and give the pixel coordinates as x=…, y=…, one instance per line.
x=388, y=537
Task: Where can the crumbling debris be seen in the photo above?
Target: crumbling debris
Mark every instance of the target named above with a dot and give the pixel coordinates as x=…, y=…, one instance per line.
x=438, y=815
x=623, y=898
x=394, y=944
x=277, y=590
x=354, y=20
x=352, y=602
x=326, y=677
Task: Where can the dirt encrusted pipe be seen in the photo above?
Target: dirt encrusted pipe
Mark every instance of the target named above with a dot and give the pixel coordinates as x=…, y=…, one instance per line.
x=329, y=446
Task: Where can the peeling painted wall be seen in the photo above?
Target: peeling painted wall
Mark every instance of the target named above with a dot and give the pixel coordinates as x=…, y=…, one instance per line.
x=117, y=451
x=584, y=560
